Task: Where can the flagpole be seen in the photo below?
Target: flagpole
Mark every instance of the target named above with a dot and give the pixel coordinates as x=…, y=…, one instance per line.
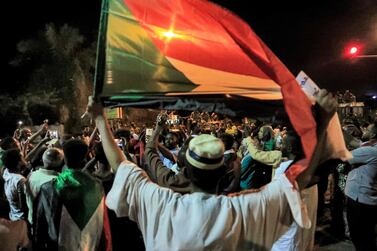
x=99, y=74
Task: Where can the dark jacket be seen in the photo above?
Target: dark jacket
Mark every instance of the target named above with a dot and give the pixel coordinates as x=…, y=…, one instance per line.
x=162, y=175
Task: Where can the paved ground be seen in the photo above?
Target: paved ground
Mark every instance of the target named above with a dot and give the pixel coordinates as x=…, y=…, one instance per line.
x=325, y=241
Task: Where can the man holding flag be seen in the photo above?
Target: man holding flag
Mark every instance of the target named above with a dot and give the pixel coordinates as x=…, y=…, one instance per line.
x=202, y=221
x=169, y=55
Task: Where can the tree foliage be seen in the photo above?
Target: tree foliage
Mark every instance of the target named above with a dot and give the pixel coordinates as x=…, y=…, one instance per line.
x=57, y=71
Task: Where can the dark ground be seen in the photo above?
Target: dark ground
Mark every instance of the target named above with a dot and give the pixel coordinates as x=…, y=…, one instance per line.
x=325, y=239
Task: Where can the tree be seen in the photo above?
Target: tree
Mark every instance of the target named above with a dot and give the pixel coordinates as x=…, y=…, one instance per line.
x=59, y=65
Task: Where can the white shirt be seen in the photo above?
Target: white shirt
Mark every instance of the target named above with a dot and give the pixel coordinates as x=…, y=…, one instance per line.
x=13, y=186
x=200, y=221
x=298, y=238
x=33, y=185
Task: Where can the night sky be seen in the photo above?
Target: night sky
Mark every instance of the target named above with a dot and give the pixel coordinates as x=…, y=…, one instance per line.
x=305, y=36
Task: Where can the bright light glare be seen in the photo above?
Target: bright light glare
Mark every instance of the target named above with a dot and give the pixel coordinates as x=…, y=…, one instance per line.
x=169, y=34
x=374, y=97
x=353, y=50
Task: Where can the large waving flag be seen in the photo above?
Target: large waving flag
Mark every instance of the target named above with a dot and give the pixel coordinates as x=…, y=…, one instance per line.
x=183, y=50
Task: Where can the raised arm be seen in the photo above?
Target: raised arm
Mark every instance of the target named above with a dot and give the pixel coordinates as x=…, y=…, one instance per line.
x=327, y=106
x=151, y=156
x=42, y=129
x=363, y=155
x=113, y=153
x=32, y=153
x=93, y=136
x=162, y=175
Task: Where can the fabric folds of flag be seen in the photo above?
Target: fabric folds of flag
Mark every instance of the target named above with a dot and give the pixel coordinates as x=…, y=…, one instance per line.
x=71, y=214
x=157, y=48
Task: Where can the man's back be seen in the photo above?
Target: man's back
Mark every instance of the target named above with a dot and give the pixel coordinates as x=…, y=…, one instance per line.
x=33, y=185
x=200, y=221
x=71, y=213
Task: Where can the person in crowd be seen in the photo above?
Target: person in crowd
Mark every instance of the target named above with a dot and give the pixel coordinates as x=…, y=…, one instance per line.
x=213, y=130
x=230, y=183
x=361, y=192
x=266, y=138
x=100, y=168
x=63, y=139
x=231, y=129
x=6, y=144
x=351, y=141
x=278, y=137
x=257, y=166
x=195, y=130
x=123, y=231
x=37, y=160
x=25, y=135
x=297, y=238
x=339, y=225
x=169, y=150
x=86, y=133
x=195, y=116
x=369, y=136
x=32, y=155
x=135, y=131
x=156, y=169
x=123, y=138
x=351, y=128
x=27, y=138
x=52, y=159
x=14, y=184
x=348, y=97
x=70, y=212
x=230, y=223
x=214, y=117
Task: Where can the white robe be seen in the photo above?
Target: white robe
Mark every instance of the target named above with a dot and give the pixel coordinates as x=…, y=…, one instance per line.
x=200, y=221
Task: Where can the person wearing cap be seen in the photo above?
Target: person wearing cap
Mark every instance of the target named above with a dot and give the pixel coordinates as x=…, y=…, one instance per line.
x=202, y=220
x=179, y=182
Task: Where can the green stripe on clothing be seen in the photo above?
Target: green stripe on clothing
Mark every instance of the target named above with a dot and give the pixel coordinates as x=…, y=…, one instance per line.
x=82, y=197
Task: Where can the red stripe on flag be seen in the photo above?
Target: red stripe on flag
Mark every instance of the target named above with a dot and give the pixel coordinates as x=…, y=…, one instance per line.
x=198, y=35
x=239, y=50
x=298, y=108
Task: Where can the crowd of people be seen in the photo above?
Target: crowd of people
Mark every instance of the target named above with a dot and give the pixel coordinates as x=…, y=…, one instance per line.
x=201, y=182
x=346, y=97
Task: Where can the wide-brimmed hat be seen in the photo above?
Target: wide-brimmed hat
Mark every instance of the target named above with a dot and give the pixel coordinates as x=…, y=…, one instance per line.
x=205, y=152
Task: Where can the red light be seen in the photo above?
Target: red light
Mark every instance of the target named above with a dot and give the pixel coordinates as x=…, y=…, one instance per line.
x=354, y=50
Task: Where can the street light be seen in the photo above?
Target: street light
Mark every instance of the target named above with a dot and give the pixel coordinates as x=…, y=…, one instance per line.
x=355, y=50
